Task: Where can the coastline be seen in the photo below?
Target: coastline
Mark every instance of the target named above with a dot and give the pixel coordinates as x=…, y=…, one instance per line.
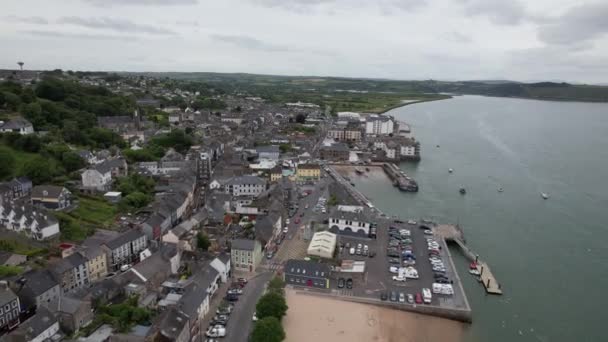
x=443, y=97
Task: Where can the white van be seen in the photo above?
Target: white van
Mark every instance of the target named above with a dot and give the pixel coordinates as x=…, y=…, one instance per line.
x=352, y=251
x=426, y=295
x=124, y=268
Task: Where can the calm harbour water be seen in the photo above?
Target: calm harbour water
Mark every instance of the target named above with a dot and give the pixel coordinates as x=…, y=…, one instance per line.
x=550, y=256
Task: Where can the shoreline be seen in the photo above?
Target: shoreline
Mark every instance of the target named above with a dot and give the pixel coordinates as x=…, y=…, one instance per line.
x=443, y=97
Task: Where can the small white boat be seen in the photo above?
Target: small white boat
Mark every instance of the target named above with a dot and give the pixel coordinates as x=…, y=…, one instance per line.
x=544, y=195
x=474, y=272
x=450, y=170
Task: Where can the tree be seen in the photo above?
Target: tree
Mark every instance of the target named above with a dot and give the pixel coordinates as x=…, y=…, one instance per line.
x=39, y=169
x=272, y=304
x=301, y=118
x=72, y=161
x=202, y=241
x=136, y=200
x=268, y=329
x=7, y=162
x=277, y=285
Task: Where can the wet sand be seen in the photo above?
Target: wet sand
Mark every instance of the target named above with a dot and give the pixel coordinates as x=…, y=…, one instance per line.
x=312, y=318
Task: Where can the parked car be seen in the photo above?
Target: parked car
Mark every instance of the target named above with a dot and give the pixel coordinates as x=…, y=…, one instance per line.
x=242, y=281
x=410, y=298
x=216, y=331
x=393, y=296
x=399, y=278
x=269, y=255
x=232, y=298
x=401, y=297
x=418, y=298
x=341, y=283
x=235, y=291
x=383, y=296
x=349, y=283
x=428, y=232
x=352, y=251
x=393, y=269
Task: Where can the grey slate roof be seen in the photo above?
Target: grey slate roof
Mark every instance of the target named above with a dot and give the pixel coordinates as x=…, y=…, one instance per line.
x=243, y=244
x=16, y=123
x=247, y=179
x=264, y=228
x=196, y=292
x=6, y=296
x=49, y=191
x=69, y=263
x=34, y=326
x=38, y=282
x=303, y=267
x=124, y=238
x=171, y=323
x=268, y=149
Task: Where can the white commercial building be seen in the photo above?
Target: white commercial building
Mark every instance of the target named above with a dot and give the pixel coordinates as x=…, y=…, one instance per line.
x=323, y=244
x=379, y=125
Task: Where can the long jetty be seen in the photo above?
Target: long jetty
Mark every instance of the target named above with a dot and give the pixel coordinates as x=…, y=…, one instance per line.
x=399, y=178
x=454, y=234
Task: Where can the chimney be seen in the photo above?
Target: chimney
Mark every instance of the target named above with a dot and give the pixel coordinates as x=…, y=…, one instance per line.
x=3, y=285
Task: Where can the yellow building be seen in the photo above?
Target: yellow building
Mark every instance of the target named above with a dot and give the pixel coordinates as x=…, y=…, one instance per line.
x=308, y=172
x=97, y=265
x=276, y=173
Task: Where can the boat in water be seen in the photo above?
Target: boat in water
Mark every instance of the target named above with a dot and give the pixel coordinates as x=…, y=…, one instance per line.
x=358, y=171
x=367, y=169
x=450, y=170
x=474, y=272
x=500, y=190
x=462, y=191
x=544, y=195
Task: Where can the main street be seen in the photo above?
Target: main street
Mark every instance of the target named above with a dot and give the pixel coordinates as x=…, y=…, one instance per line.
x=240, y=324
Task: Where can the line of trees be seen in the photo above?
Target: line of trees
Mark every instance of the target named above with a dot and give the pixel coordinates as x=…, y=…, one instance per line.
x=270, y=310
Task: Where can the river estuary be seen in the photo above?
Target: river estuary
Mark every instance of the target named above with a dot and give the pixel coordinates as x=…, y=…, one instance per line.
x=550, y=256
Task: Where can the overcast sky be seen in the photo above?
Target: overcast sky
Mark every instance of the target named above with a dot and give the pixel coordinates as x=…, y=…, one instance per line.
x=400, y=39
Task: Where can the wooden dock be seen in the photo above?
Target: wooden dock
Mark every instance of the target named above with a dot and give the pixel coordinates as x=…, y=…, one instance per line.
x=454, y=234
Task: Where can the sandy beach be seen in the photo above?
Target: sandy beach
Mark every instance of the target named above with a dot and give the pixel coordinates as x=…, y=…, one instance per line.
x=312, y=318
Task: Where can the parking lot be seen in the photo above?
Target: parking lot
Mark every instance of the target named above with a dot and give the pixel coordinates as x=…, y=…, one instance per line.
x=378, y=282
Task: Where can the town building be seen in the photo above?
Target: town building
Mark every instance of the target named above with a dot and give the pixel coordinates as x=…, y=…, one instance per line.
x=195, y=300
x=71, y=272
x=172, y=325
x=245, y=186
x=36, y=288
x=271, y=152
x=73, y=311
x=349, y=222
x=276, y=173
x=17, y=125
x=306, y=273
x=322, y=244
x=245, y=254
x=308, y=172
x=335, y=152
x=41, y=327
x=125, y=248
x=34, y=222
x=51, y=197
x=350, y=132
x=10, y=308
x=15, y=189
x=379, y=125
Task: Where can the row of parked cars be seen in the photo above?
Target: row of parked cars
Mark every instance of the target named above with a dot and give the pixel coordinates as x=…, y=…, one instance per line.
x=217, y=326
x=442, y=283
x=401, y=254
x=321, y=205
x=359, y=249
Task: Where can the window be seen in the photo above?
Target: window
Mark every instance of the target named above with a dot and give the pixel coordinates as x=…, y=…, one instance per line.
x=7, y=307
x=14, y=304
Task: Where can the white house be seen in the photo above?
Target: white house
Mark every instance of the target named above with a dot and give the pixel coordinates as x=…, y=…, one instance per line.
x=35, y=222
x=350, y=222
x=379, y=125
x=408, y=150
x=17, y=125
x=98, y=177
x=222, y=265
x=245, y=186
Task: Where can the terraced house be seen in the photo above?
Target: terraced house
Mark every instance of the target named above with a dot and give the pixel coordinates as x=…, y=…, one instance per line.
x=125, y=248
x=308, y=172
x=245, y=255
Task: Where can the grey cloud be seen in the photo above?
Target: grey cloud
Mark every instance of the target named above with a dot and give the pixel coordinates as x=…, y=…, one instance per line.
x=247, y=42
x=579, y=24
x=26, y=20
x=329, y=6
x=456, y=37
x=115, y=24
x=70, y=35
x=502, y=12
x=106, y=3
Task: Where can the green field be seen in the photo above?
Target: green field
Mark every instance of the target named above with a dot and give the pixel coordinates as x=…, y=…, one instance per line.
x=91, y=213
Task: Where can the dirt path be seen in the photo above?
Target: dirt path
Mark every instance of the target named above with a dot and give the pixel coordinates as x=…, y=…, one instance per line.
x=311, y=318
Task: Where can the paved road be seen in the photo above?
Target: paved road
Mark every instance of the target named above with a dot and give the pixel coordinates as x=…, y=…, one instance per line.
x=240, y=323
